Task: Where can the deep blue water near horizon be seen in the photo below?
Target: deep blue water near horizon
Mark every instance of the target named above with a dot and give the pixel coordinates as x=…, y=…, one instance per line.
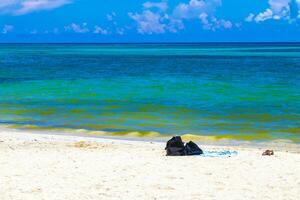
x=245, y=91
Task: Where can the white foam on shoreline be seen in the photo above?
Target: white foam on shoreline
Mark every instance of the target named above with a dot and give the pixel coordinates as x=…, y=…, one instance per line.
x=279, y=145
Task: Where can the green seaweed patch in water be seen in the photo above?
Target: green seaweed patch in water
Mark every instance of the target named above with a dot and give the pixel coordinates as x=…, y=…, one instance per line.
x=138, y=115
x=45, y=112
x=261, y=136
x=13, y=111
x=254, y=117
x=99, y=130
x=189, y=137
x=91, y=94
x=72, y=101
x=110, y=107
x=41, y=112
x=98, y=127
x=150, y=108
x=291, y=130
x=148, y=134
x=156, y=125
x=31, y=127
x=76, y=111
x=248, y=98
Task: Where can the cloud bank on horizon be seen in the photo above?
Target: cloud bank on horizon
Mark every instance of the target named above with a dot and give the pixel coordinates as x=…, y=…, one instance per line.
x=147, y=18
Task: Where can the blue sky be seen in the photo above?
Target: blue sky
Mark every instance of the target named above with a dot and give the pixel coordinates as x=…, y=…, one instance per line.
x=149, y=21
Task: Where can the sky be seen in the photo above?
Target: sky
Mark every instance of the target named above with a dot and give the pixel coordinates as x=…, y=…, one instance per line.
x=149, y=21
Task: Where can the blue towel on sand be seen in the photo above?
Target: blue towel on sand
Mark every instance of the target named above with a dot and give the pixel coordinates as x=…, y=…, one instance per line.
x=219, y=154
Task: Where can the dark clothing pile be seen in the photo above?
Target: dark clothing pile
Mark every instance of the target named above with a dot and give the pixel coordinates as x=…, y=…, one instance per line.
x=175, y=147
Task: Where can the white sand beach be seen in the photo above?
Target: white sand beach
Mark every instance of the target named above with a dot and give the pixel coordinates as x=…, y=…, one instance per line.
x=57, y=167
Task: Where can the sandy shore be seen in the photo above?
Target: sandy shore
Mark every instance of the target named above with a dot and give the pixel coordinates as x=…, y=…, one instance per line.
x=39, y=166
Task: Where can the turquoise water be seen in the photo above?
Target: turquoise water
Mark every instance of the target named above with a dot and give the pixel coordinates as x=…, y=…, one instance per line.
x=238, y=91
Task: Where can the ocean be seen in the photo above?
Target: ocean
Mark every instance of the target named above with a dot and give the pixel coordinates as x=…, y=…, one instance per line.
x=240, y=91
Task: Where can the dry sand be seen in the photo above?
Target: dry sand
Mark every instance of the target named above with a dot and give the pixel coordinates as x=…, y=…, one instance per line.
x=56, y=167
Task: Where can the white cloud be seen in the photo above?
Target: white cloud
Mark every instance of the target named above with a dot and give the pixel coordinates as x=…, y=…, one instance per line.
x=77, y=28
x=7, y=3
x=279, y=6
x=149, y=22
x=214, y=24
x=54, y=31
x=155, y=19
x=204, y=11
x=113, y=28
x=238, y=25
x=174, y=24
x=7, y=28
x=120, y=31
x=277, y=10
x=84, y=28
x=298, y=3
x=195, y=8
x=267, y=14
x=110, y=17
x=99, y=30
x=250, y=17
x=21, y=7
x=159, y=5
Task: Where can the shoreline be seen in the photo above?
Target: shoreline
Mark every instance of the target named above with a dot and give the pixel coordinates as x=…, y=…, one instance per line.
x=277, y=145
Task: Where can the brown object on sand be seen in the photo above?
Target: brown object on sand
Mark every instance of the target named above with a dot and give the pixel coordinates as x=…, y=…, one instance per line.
x=81, y=144
x=268, y=153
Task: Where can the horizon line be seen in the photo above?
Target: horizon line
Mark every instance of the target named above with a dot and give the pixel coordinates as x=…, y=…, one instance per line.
x=208, y=42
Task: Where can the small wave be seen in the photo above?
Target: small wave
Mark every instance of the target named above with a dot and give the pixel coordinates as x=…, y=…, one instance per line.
x=150, y=134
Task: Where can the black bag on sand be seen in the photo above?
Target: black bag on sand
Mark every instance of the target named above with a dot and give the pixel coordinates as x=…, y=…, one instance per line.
x=175, y=147
x=192, y=149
